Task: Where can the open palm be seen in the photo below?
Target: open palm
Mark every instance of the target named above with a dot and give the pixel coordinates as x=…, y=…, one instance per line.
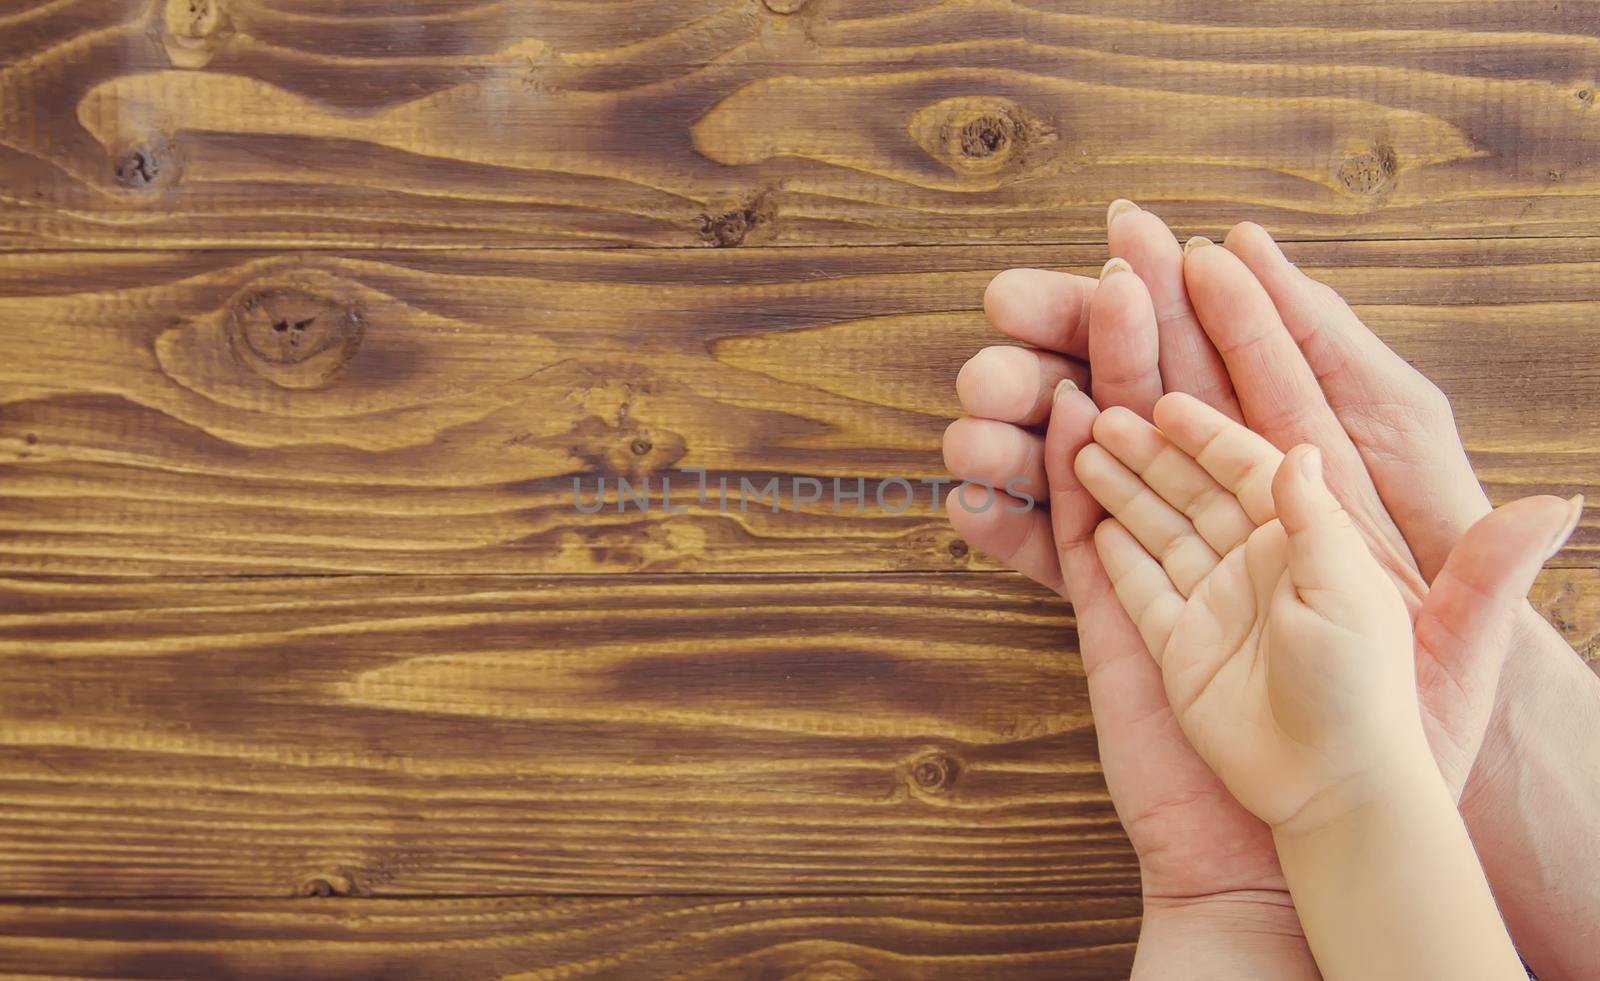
x=1282, y=702
x=1224, y=679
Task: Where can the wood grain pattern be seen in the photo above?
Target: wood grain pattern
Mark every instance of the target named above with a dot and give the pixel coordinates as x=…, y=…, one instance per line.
x=279, y=455
x=180, y=123
x=223, y=413
x=892, y=938
x=397, y=735
x=393, y=736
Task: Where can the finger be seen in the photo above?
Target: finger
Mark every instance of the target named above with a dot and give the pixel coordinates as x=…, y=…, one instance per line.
x=1465, y=624
x=1160, y=530
x=1071, y=428
x=1014, y=384
x=1123, y=341
x=998, y=454
x=1395, y=417
x=1174, y=475
x=1046, y=309
x=1188, y=361
x=1239, y=460
x=1146, y=593
x=1281, y=399
x=1016, y=538
x=1332, y=571
x=1074, y=513
x=1126, y=691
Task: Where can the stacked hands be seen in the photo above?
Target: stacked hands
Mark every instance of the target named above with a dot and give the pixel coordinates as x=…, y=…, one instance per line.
x=1294, y=658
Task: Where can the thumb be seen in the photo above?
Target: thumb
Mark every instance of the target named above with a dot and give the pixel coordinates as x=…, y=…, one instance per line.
x=1464, y=625
x=1329, y=564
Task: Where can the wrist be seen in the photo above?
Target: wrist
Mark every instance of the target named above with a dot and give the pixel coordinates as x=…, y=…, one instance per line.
x=1406, y=781
x=1390, y=803
x=1548, y=699
x=1396, y=852
x=1532, y=802
x=1225, y=935
x=1245, y=907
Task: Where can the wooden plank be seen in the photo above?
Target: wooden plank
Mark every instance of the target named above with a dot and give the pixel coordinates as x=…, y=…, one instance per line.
x=135, y=124
x=397, y=735
x=218, y=413
x=393, y=736
x=891, y=937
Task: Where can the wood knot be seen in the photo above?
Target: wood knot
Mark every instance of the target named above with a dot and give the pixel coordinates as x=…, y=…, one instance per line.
x=730, y=228
x=987, y=135
x=1369, y=173
x=292, y=337
x=193, y=18
x=933, y=773
x=958, y=549
x=324, y=886
x=979, y=136
x=783, y=6
x=640, y=446
x=192, y=27
x=146, y=166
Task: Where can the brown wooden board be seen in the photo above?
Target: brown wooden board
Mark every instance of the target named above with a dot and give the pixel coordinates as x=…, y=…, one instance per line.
x=225, y=413
x=849, y=938
x=313, y=310
x=302, y=123
x=398, y=735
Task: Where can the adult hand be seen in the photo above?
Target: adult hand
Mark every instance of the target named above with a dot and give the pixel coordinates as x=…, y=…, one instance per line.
x=1480, y=574
x=1379, y=416
x=1532, y=799
x=1215, y=901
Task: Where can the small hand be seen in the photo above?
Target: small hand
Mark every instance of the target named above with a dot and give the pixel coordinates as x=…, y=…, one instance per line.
x=1193, y=490
x=1287, y=659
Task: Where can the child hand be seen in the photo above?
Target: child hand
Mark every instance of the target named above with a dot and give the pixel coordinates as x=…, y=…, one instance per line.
x=1285, y=649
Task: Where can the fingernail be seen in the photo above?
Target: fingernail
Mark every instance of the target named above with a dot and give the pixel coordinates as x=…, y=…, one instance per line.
x=1119, y=207
x=1114, y=265
x=1195, y=243
x=1311, y=465
x=1063, y=386
x=1574, y=515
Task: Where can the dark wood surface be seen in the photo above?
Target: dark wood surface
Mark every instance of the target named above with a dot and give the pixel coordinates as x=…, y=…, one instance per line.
x=902, y=938
x=464, y=736
x=310, y=313
x=442, y=404
x=804, y=122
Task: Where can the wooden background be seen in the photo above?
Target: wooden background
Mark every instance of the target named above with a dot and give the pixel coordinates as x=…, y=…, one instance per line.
x=308, y=667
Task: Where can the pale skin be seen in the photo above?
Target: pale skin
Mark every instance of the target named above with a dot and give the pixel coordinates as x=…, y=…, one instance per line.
x=1216, y=904
x=1286, y=657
